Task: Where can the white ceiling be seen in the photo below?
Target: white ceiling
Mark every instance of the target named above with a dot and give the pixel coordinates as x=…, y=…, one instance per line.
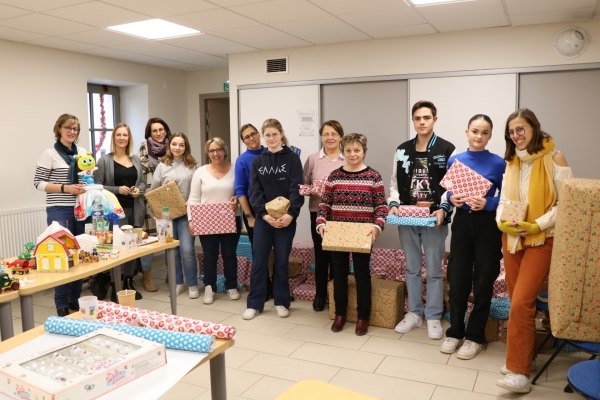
x=235, y=26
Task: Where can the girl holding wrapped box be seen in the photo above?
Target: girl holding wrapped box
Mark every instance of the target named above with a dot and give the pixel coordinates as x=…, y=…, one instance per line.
x=120, y=171
x=353, y=193
x=475, y=248
x=318, y=166
x=178, y=165
x=276, y=172
x=214, y=183
x=533, y=175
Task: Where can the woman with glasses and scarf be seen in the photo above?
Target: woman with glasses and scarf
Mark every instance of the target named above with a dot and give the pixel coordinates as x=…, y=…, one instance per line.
x=152, y=151
x=533, y=175
x=56, y=174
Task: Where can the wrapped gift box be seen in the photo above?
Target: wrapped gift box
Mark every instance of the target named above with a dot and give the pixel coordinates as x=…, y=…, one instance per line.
x=212, y=218
x=381, y=260
x=116, y=358
x=500, y=290
x=461, y=179
x=319, y=186
x=500, y=308
x=424, y=204
x=296, y=281
x=244, y=248
x=386, y=302
x=278, y=207
x=243, y=267
x=514, y=211
x=502, y=325
x=305, y=291
x=429, y=222
x=413, y=211
x=294, y=265
x=575, y=267
x=304, y=251
x=491, y=329
x=166, y=195
x=221, y=283
x=348, y=236
x=310, y=278
x=305, y=190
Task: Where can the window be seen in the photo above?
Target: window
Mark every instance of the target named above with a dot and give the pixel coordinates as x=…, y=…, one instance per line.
x=50, y=246
x=103, y=114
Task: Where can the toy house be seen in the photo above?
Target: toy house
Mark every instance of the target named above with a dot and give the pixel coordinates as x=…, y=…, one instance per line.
x=57, y=252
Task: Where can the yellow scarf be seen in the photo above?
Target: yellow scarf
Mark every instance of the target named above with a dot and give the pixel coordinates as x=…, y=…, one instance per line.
x=541, y=192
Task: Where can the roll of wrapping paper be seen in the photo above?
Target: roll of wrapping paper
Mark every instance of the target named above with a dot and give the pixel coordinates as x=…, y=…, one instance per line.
x=119, y=314
x=171, y=340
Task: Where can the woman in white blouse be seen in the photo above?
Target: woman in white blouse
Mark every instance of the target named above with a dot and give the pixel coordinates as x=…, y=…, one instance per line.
x=214, y=183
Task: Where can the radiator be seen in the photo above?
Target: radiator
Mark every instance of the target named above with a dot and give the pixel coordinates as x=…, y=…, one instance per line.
x=20, y=226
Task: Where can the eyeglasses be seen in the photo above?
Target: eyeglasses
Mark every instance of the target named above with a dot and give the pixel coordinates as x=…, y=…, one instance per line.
x=250, y=136
x=331, y=134
x=161, y=130
x=71, y=128
x=213, y=151
x=519, y=131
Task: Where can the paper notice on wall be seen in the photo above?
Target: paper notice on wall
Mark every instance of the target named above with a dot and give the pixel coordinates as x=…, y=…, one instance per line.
x=308, y=122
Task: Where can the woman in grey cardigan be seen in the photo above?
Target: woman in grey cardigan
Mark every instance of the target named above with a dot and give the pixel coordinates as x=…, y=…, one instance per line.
x=120, y=171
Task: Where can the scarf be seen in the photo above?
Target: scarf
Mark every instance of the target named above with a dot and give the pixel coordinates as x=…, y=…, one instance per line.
x=68, y=154
x=541, y=192
x=156, y=151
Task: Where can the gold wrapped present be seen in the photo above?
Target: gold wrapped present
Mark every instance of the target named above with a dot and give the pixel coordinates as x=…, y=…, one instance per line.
x=167, y=195
x=348, y=236
x=574, y=285
x=514, y=211
x=491, y=329
x=387, y=302
x=294, y=265
x=278, y=207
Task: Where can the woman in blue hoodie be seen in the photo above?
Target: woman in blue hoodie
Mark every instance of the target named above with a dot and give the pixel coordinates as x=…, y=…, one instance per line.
x=275, y=172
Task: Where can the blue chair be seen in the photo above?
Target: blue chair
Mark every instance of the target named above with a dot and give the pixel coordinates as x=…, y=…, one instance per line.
x=541, y=303
x=584, y=378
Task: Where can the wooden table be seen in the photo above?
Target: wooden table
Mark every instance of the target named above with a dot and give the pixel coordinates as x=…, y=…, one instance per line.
x=6, y=321
x=216, y=357
x=317, y=390
x=48, y=280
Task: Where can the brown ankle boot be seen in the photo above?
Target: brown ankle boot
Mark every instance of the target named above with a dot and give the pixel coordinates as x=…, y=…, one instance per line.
x=149, y=284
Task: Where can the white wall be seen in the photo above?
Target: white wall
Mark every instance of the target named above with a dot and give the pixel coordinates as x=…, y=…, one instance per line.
x=508, y=47
x=37, y=84
x=134, y=111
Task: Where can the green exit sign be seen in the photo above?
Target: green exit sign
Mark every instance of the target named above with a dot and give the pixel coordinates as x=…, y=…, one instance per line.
x=226, y=86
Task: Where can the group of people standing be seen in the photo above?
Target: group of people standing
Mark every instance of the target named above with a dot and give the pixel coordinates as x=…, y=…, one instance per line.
x=530, y=172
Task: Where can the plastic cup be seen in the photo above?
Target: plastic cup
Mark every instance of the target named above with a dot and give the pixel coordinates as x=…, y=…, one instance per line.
x=139, y=232
x=88, y=306
x=126, y=297
x=89, y=229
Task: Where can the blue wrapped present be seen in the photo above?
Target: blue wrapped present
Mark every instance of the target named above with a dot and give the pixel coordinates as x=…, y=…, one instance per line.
x=221, y=283
x=500, y=308
x=429, y=222
x=244, y=248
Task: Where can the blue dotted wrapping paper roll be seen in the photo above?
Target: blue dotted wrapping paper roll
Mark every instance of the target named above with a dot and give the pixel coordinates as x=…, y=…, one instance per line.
x=172, y=340
x=411, y=221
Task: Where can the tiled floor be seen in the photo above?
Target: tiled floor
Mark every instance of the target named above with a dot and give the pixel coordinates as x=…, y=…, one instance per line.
x=272, y=353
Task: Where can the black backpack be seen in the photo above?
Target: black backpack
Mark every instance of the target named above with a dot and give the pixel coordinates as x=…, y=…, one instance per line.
x=100, y=285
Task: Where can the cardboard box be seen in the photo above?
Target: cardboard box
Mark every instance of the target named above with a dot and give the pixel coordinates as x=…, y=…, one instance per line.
x=92, y=365
x=387, y=307
x=514, y=211
x=166, y=195
x=212, y=218
x=348, y=236
x=461, y=179
x=294, y=265
x=575, y=266
x=278, y=207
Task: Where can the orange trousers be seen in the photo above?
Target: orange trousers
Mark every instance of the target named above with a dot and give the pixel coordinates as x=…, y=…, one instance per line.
x=526, y=270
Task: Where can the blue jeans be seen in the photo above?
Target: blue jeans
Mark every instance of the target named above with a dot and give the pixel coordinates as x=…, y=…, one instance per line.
x=65, y=216
x=185, y=254
x=281, y=240
x=228, y=243
x=433, y=242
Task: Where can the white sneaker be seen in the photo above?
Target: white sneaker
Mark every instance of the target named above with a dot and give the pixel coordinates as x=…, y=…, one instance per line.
x=469, y=350
x=233, y=294
x=434, y=329
x=282, y=312
x=250, y=313
x=194, y=293
x=507, y=371
x=515, y=383
x=449, y=345
x=179, y=289
x=208, y=295
x=409, y=322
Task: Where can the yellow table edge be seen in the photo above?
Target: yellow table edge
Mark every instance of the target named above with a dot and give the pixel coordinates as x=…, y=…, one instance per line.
x=317, y=390
x=8, y=295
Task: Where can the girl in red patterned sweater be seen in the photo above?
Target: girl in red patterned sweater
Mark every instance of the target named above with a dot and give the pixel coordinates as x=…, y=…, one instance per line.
x=353, y=193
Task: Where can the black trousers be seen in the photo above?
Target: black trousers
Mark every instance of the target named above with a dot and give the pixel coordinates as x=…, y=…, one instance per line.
x=474, y=262
x=362, y=274
x=323, y=262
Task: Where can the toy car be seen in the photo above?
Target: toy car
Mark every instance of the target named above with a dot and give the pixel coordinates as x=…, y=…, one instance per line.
x=8, y=282
x=20, y=266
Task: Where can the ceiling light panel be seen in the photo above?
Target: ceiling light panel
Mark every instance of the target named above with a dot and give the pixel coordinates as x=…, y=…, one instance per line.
x=154, y=29
x=418, y=3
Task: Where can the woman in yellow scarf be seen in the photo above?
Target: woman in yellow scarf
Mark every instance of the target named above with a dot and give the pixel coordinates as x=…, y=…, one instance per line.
x=532, y=176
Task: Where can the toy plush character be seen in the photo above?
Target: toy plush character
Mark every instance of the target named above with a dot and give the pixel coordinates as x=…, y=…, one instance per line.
x=87, y=165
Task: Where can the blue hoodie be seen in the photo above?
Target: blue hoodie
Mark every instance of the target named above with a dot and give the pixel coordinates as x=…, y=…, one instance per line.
x=276, y=174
